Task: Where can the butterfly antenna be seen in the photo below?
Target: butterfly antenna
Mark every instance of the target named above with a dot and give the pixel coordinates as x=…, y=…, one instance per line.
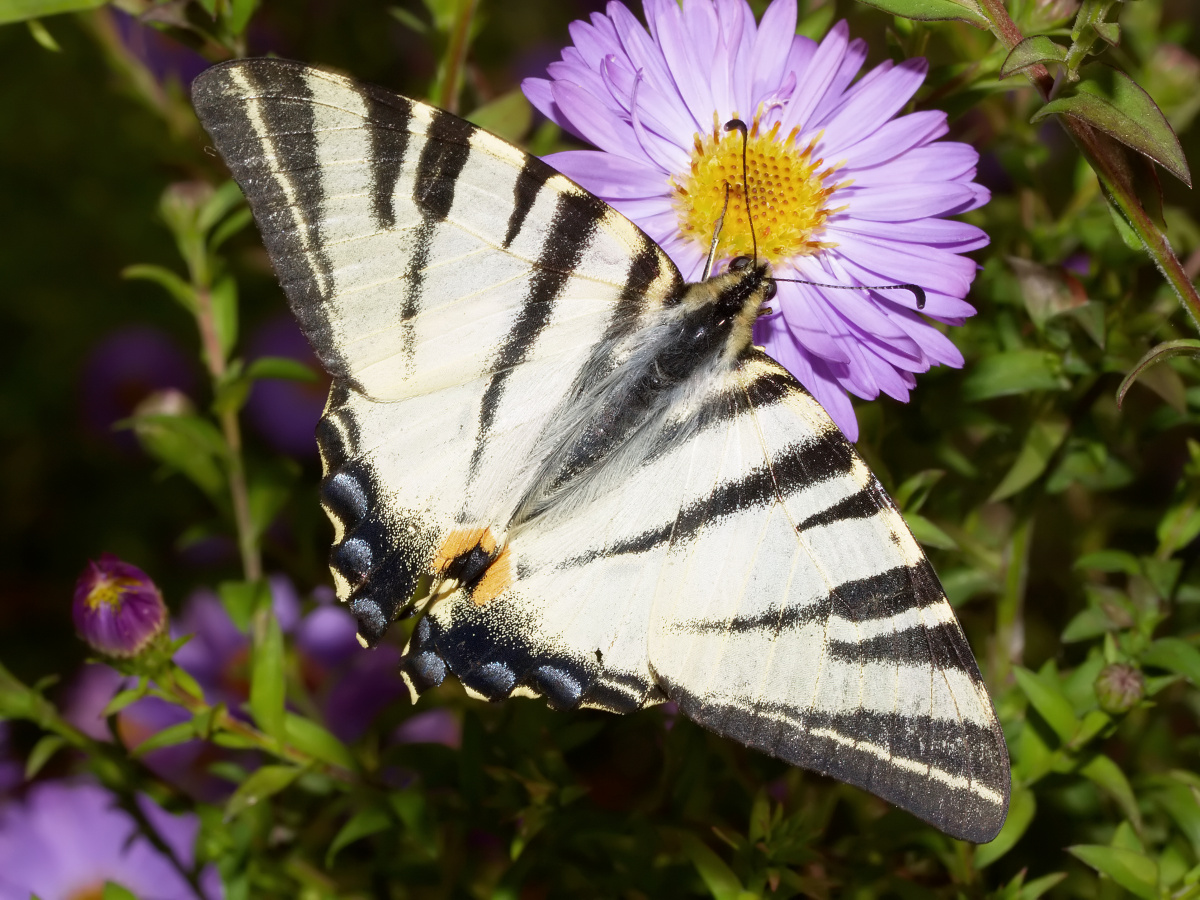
x=712, y=249
x=741, y=126
x=916, y=290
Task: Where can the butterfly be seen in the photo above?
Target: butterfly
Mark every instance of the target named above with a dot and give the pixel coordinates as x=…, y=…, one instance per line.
x=578, y=468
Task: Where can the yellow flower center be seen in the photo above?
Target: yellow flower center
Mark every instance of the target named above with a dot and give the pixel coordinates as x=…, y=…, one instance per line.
x=789, y=194
x=108, y=591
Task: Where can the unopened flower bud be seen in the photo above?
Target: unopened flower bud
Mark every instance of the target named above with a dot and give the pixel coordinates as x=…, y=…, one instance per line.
x=1119, y=687
x=117, y=609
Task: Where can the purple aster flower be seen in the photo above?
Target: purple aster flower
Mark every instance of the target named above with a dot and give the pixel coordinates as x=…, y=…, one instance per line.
x=842, y=191
x=66, y=840
x=117, y=609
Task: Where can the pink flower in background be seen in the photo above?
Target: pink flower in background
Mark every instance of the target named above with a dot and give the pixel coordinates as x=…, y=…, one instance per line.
x=842, y=190
x=66, y=840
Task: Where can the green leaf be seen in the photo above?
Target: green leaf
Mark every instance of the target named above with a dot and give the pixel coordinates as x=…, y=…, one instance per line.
x=927, y=533
x=309, y=737
x=1039, y=886
x=224, y=300
x=240, y=13
x=1043, y=440
x=114, y=891
x=168, y=737
x=267, y=686
x=264, y=783
x=1110, y=561
x=42, y=35
x=1030, y=52
x=1021, y=809
x=718, y=877
x=268, y=491
x=123, y=699
x=1015, y=372
x=408, y=20
x=363, y=823
x=1105, y=773
x=222, y=201
x=1153, y=356
x=242, y=598
x=21, y=10
x=1127, y=113
x=229, y=228
x=174, y=285
x=1174, y=655
x=41, y=753
x=933, y=10
x=280, y=367
x=1048, y=699
x=189, y=444
x=508, y=116
x=1132, y=871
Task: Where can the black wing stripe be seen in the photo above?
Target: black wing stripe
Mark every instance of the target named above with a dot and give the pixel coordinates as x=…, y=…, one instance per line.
x=389, y=143
x=529, y=183
x=567, y=240
x=860, y=505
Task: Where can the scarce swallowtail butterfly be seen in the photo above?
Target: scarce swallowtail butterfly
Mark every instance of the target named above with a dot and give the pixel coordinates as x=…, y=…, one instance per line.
x=598, y=490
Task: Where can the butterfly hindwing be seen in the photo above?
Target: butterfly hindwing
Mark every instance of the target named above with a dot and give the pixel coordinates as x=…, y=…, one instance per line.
x=801, y=618
x=614, y=501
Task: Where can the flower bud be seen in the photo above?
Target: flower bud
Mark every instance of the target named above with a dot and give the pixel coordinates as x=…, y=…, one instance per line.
x=118, y=610
x=1119, y=687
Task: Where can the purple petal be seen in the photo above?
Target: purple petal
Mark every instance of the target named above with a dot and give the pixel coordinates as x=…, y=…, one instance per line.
x=905, y=201
x=872, y=106
x=666, y=24
x=943, y=161
x=607, y=177
x=946, y=234
x=834, y=95
x=595, y=125
x=817, y=78
x=899, y=136
x=771, y=46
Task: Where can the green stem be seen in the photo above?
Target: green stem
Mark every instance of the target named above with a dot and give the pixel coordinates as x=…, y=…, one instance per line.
x=1010, y=611
x=239, y=494
x=1109, y=168
x=456, y=56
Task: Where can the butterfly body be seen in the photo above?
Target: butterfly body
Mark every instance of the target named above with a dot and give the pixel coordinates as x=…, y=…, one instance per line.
x=612, y=498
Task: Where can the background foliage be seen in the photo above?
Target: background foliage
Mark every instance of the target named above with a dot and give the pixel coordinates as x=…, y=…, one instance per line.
x=1063, y=523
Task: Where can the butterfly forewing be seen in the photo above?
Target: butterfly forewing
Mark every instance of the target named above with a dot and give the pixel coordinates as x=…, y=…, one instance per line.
x=452, y=285
x=718, y=543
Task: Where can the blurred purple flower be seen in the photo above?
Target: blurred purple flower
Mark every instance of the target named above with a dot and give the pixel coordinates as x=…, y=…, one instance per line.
x=842, y=191
x=432, y=726
x=124, y=368
x=65, y=840
x=164, y=57
x=117, y=609
x=285, y=412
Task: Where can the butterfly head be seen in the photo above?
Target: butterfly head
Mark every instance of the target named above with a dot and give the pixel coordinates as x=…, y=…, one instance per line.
x=724, y=307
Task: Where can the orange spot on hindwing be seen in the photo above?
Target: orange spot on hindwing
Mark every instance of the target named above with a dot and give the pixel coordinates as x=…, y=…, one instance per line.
x=496, y=580
x=469, y=556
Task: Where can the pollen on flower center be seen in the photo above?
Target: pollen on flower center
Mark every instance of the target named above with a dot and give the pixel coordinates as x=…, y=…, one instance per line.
x=789, y=194
x=108, y=591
